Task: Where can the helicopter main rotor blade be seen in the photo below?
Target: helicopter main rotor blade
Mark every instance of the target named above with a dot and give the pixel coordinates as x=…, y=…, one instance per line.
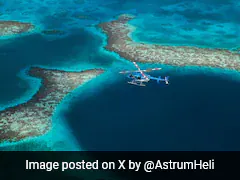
x=145, y=70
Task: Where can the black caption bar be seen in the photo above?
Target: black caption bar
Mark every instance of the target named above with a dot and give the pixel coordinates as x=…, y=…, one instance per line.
x=116, y=165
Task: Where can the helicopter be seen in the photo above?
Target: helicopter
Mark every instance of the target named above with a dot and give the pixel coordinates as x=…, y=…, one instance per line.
x=139, y=77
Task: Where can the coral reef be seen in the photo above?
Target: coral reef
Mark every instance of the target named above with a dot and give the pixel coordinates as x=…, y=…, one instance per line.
x=13, y=27
x=119, y=41
x=33, y=118
x=53, y=32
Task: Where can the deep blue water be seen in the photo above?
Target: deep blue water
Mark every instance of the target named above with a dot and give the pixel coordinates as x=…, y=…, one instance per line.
x=196, y=112
x=79, y=47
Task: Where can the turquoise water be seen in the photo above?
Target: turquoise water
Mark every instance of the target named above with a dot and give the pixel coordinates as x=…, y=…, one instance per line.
x=197, y=23
x=206, y=23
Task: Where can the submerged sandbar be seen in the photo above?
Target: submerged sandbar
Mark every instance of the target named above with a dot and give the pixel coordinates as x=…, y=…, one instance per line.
x=33, y=118
x=119, y=41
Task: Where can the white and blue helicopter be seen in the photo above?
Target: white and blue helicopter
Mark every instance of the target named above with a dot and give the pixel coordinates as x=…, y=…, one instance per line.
x=139, y=77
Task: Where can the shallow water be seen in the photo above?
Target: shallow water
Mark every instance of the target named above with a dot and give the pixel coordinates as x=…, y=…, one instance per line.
x=196, y=112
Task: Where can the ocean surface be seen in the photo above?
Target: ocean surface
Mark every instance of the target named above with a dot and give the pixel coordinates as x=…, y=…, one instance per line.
x=199, y=110
x=196, y=112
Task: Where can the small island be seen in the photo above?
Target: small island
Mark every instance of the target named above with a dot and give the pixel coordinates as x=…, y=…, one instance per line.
x=119, y=41
x=34, y=118
x=8, y=28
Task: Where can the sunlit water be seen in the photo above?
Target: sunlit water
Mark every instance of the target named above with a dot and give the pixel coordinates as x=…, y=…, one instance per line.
x=196, y=112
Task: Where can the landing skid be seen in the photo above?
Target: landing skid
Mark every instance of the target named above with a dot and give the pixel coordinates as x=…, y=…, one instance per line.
x=133, y=83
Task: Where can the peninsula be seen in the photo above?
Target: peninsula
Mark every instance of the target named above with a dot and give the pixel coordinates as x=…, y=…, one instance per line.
x=33, y=118
x=8, y=28
x=119, y=41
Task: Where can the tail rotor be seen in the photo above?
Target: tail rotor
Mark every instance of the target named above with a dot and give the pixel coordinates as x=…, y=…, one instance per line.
x=167, y=80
